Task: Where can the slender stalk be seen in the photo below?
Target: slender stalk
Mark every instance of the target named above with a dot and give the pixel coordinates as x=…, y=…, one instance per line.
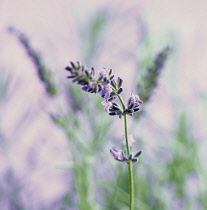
x=126, y=134
x=130, y=168
x=121, y=100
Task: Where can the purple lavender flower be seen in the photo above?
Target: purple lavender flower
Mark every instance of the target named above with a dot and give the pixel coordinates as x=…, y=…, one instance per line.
x=85, y=88
x=104, y=72
x=106, y=91
x=134, y=99
x=133, y=104
x=117, y=154
x=107, y=105
x=106, y=86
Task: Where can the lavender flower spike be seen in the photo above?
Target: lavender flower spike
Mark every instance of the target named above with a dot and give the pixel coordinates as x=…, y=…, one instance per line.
x=118, y=154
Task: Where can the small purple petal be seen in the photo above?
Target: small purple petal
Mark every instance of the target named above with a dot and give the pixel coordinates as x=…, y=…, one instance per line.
x=134, y=99
x=107, y=105
x=106, y=91
x=103, y=73
x=117, y=154
x=85, y=88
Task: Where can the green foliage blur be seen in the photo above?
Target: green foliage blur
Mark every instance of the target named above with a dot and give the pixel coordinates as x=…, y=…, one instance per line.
x=161, y=183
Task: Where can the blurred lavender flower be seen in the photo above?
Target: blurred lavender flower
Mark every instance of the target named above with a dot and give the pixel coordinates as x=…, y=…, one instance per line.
x=131, y=140
x=148, y=79
x=118, y=154
x=45, y=75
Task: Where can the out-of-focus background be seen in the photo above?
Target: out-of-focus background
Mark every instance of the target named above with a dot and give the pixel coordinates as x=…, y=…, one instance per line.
x=55, y=139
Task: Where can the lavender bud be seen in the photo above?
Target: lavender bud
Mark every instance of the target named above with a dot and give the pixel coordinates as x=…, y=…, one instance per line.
x=119, y=113
x=113, y=83
x=119, y=81
x=92, y=71
x=111, y=98
x=128, y=111
x=111, y=77
x=85, y=88
x=115, y=108
x=136, y=110
x=130, y=102
x=72, y=64
x=119, y=91
x=134, y=160
x=78, y=65
x=100, y=78
x=90, y=90
x=77, y=74
x=72, y=76
x=110, y=72
x=99, y=88
x=67, y=68
x=107, y=81
x=115, y=104
x=130, y=157
x=87, y=73
x=130, y=105
x=82, y=82
x=112, y=93
x=138, y=154
x=75, y=80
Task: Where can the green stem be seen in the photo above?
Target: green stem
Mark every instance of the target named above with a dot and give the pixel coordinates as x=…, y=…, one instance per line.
x=130, y=168
x=126, y=134
x=122, y=103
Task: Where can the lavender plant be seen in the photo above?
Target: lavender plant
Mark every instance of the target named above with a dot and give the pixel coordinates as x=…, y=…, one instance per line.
x=45, y=75
x=110, y=89
x=149, y=78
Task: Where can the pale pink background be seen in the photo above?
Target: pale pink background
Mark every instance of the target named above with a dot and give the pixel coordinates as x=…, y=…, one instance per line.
x=53, y=29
